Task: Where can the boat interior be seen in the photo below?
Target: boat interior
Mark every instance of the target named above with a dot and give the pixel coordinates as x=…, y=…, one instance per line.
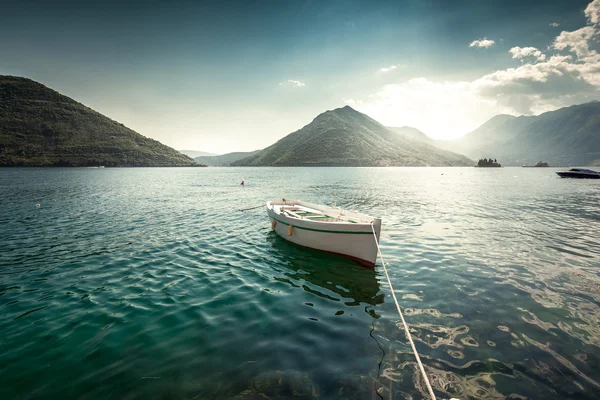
x=314, y=215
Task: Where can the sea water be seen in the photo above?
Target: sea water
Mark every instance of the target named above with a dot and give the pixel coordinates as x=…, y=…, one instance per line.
x=150, y=283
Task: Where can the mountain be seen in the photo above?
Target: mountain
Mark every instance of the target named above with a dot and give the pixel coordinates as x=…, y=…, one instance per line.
x=346, y=137
x=41, y=127
x=490, y=135
x=411, y=133
x=196, y=153
x=568, y=136
x=225, y=159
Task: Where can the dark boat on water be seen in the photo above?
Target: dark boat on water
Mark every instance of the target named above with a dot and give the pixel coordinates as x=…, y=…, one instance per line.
x=580, y=173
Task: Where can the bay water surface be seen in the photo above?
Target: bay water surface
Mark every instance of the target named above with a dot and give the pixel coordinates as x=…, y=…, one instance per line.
x=150, y=283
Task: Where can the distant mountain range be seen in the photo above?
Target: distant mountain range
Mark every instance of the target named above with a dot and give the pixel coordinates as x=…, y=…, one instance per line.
x=41, y=127
x=346, y=137
x=196, y=153
x=224, y=159
x=568, y=136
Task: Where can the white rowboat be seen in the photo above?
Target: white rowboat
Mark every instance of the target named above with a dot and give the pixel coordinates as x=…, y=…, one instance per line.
x=330, y=229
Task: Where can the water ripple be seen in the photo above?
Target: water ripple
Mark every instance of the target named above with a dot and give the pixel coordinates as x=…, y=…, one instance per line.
x=146, y=283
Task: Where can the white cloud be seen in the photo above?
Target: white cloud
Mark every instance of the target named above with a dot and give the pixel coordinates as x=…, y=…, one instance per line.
x=485, y=43
x=576, y=41
x=568, y=74
x=534, y=88
x=291, y=82
x=592, y=12
x=555, y=24
x=387, y=69
x=522, y=52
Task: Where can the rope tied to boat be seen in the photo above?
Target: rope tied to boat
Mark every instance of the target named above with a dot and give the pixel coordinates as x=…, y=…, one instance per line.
x=406, y=330
x=252, y=208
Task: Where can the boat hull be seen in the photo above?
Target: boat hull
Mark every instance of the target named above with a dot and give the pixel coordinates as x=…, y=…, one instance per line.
x=577, y=175
x=355, y=242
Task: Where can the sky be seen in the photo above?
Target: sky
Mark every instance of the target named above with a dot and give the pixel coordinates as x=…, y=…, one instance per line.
x=223, y=76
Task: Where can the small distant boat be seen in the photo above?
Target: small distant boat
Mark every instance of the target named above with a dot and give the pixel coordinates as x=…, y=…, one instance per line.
x=580, y=173
x=329, y=229
x=541, y=164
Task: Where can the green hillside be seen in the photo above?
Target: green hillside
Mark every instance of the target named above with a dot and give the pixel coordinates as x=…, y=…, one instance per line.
x=41, y=127
x=345, y=137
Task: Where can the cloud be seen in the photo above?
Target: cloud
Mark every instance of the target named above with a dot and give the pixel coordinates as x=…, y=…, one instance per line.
x=522, y=52
x=546, y=83
x=576, y=41
x=592, y=12
x=387, y=69
x=554, y=24
x=567, y=73
x=485, y=43
x=291, y=82
x=535, y=88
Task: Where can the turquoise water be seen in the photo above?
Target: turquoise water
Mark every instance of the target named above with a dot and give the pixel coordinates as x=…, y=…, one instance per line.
x=149, y=283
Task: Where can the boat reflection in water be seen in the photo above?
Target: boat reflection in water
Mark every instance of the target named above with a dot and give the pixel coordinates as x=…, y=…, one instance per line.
x=345, y=353
x=352, y=282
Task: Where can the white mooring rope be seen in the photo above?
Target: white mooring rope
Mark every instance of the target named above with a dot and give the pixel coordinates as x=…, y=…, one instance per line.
x=251, y=208
x=408, y=336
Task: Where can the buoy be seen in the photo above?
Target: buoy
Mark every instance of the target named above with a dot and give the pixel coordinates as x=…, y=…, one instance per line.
x=290, y=230
x=273, y=224
x=37, y=205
